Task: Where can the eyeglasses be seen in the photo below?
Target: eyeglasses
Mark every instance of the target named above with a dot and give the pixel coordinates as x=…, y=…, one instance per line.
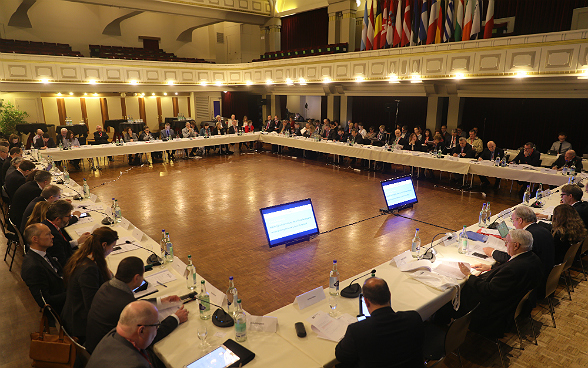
x=157, y=325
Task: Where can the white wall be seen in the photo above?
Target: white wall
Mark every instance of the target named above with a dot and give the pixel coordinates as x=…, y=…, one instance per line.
x=30, y=102
x=295, y=104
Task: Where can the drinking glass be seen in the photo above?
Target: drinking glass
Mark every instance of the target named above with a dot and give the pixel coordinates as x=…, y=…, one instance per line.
x=202, y=333
x=333, y=305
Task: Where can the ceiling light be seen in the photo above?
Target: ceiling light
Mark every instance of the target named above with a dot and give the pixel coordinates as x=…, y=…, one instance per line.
x=153, y=94
x=45, y=80
x=85, y=94
x=224, y=91
x=71, y=93
x=359, y=78
x=58, y=93
x=583, y=74
x=143, y=94
x=176, y=93
x=165, y=93
x=170, y=82
x=269, y=82
x=393, y=78
x=92, y=81
x=415, y=78
x=219, y=83
x=289, y=81
x=203, y=83
x=327, y=80
x=133, y=81
x=95, y=94
x=248, y=82
x=302, y=81
x=521, y=74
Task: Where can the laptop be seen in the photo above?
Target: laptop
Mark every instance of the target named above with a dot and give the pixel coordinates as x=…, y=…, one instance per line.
x=502, y=229
x=363, y=311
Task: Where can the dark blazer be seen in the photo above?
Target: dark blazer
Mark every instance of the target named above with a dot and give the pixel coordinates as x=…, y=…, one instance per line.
x=22, y=197
x=386, y=339
x=487, y=155
x=217, y=131
x=61, y=248
x=401, y=141
x=105, y=311
x=145, y=137
x=449, y=141
x=203, y=131
x=534, y=159
x=417, y=146
x=100, y=137
x=13, y=181
x=561, y=162
x=331, y=134
x=116, y=351
x=171, y=134
x=296, y=131
x=358, y=139
x=499, y=291
x=41, y=143
x=233, y=129
x=42, y=279
x=582, y=208
x=469, y=152
x=127, y=137
x=5, y=167
x=269, y=126
x=28, y=211
x=340, y=138
x=82, y=285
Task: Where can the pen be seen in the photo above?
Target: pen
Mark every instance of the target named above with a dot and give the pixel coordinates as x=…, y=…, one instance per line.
x=161, y=284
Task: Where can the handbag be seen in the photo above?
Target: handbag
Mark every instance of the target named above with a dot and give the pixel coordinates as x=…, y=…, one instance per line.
x=51, y=351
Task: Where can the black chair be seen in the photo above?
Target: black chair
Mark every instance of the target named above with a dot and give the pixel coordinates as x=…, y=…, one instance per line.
x=518, y=311
x=569, y=260
x=14, y=240
x=583, y=250
x=551, y=286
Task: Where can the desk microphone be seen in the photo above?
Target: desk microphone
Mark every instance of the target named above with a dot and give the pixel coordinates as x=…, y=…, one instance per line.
x=430, y=252
x=220, y=318
x=494, y=224
x=78, y=197
x=153, y=260
x=105, y=221
x=354, y=289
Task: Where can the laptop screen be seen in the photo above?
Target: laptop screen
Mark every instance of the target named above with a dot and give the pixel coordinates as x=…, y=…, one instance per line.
x=502, y=229
x=363, y=311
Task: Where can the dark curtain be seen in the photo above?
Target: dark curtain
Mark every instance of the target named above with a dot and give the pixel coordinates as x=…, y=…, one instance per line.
x=283, y=109
x=381, y=110
x=513, y=122
x=235, y=103
x=534, y=16
x=308, y=29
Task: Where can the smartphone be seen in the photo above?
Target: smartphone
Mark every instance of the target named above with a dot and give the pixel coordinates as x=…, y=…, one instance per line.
x=85, y=214
x=480, y=255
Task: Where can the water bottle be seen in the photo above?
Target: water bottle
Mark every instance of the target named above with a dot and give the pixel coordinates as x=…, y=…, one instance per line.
x=112, y=208
x=163, y=247
x=86, y=189
x=416, y=245
x=232, y=297
x=463, y=242
x=60, y=146
x=488, y=214
x=204, y=301
x=439, y=153
x=117, y=212
x=572, y=169
x=65, y=175
x=482, y=217
x=190, y=275
x=497, y=161
x=564, y=170
x=169, y=249
x=240, y=323
x=334, y=280
x=527, y=195
x=539, y=196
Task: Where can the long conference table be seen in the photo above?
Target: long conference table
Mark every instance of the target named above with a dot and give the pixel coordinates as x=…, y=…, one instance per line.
x=281, y=348
x=368, y=152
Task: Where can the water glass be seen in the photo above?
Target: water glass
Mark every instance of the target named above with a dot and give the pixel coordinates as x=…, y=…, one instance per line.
x=333, y=299
x=202, y=333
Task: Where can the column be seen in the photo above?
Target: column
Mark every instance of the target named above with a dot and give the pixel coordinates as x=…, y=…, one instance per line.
x=333, y=29
x=342, y=22
x=263, y=39
x=274, y=26
x=346, y=110
x=266, y=108
x=275, y=106
x=331, y=107
x=348, y=27
x=434, y=111
x=454, y=112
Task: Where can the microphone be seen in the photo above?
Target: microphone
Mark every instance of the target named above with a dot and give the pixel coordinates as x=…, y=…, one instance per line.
x=494, y=224
x=354, y=289
x=79, y=196
x=220, y=318
x=153, y=260
x=430, y=252
x=105, y=221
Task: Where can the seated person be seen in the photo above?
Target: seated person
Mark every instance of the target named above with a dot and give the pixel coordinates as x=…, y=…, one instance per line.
x=114, y=295
x=567, y=229
x=427, y=140
x=220, y=130
x=561, y=146
x=413, y=143
x=452, y=141
x=45, y=142
x=130, y=136
x=418, y=131
x=100, y=137
x=38, y=136
x=145, y=134
x=3, y=154
x=386, y=338
x=371, y=134
x=14, y=141
x=205, y=131
x=124, y=346
x=18, y=177
x=381, y=137
x=572, y=194
x=269, y=125
x=59, y=215
x=42, y=273
x=189, y=132
x=361, y=130
x=499, y=289
x=491, y=153
x=463, y=149
x=568, y=160
x=355, y=137
x=12, y=154
x=528, y=155
x=26, y=193
x=475, y=142
x=438, y=144
x=167, y=134
x=398, y=142
x=328, y=133
x=49, y=194
x=68, y=142
x=341, y=136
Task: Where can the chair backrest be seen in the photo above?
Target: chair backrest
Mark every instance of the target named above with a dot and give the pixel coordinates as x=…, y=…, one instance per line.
x=522, y=304
x=20, y=238
x=570, y=255
x=457, y=332
x=553, y=279
x=584, y=247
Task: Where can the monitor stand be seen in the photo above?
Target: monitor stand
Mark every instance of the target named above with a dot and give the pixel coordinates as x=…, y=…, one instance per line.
x=296, y=241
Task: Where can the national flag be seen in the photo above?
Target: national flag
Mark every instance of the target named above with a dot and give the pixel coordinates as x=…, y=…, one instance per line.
x=406, y=25
x=467, y=21
x=432, y=22
x=383, y=43
x=370, y=32
x=439, y=32
x=391, y=24
x=489, y=20
x=459, y=20
x=364, y=27
x=424, y=23
x=476, y=21
x=414, y=29
x=398, y=26
x=378, y=26
x=448, y=22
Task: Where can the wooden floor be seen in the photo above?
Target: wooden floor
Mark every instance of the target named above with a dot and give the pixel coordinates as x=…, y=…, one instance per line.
x=210, y=206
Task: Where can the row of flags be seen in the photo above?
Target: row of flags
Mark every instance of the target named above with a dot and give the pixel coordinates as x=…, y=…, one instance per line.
x=392, y=23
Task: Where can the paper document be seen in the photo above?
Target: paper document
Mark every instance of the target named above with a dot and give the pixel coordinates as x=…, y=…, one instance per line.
x=123, y=248
x=86, y=229
x=167, y=309
x=446, y=268
x=327, y=327
x=161, y=277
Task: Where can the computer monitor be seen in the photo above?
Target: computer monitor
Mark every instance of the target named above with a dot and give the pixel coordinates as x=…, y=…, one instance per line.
x=289, y=222
x=399, y=192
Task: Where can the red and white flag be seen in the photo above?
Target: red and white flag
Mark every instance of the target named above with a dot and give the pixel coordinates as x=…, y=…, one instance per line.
x=489, y=20
x=406, y=25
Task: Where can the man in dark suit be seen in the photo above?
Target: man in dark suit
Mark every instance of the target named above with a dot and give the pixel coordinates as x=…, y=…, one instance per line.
x=500, y=289
x=452, y=141
x=398, y=141
x=50, y=193
x=463, y=149
x=528, y=155
x=125, y=345
x=572, y=194
x=14, y=153
x=45, y=142
x=167, y=134
x=58, y=217
x=114, y=295
x=101, y=137
x=42, y=273
x=523, y=217
x=26, y=193
x=490, y=154
x=387, y=338
x=3, y=155
x=269, y=125
x=18, y=177
x=568, y=160
x=445, y=135
x=328, y=133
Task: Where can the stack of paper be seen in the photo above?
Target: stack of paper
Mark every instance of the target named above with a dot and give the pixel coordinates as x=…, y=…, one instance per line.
x=329, y=328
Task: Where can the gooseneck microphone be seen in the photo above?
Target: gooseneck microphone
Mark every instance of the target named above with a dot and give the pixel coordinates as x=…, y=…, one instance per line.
x=430, y=252
x=220, y=317
x=79, y=196
x=153, y=260
x=354, y=289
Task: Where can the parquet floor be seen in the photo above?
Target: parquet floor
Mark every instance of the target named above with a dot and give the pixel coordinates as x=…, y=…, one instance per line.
x=211, y=206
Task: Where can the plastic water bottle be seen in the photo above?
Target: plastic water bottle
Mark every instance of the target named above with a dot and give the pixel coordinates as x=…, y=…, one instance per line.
x=497, y=161
x=190, y=275
x=163, y=247
x=86, y=189
x=572, y=169
x=60, y=146
x=117, y=212
x=169, y=249
x=65, y=175
x=482, y=216
x=527, y=195
x=564, y=170
x=488, y=214
x=112, y=207
x=204, y=301
x=539, y=196
x=240, y=323
x=334, y=280
x=463, y=242
x=416, y=245
x=232, y=297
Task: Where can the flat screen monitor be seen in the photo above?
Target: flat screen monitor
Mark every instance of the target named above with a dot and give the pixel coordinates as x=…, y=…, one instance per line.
x=399, y=192
x=289, y=222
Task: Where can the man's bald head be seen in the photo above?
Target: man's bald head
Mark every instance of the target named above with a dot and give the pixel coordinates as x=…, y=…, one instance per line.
x=376, y=291
x=138, y=323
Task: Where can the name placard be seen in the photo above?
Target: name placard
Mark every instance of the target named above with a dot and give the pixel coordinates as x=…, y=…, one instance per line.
x=137, y=234
x=262, y=323
x=93, y=197
x=401, y=259
x=125, y=224
x=178, y=266
x=310, y=297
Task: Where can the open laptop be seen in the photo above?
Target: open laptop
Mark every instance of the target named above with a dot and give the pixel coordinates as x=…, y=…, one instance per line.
x=363, y=311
